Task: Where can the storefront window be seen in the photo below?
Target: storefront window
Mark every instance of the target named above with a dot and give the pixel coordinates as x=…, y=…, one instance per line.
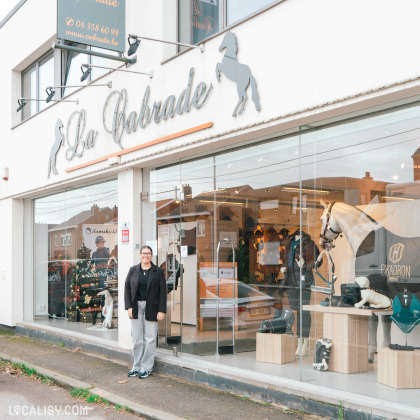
x=314, y=219
x=76, y=277
x=362, y=177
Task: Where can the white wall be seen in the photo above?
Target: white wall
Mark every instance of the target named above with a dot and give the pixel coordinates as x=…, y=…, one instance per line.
x=11, y=261
x=307, y=56
x=315, y=52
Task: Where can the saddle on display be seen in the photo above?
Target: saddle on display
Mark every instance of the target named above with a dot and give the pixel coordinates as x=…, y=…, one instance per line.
x=281, y=323
x=406, y=308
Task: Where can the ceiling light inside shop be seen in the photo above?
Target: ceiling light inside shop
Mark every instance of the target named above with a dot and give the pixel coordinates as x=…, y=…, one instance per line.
x=260, y=159
x=219, y=190
x=307, y=190
x=402, y=165
x=395, y=177
x=387, y=197
x=233, y=203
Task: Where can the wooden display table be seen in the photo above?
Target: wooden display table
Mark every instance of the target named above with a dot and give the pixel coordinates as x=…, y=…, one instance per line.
x=399, y=368
x=348, y=330
x=276, y=348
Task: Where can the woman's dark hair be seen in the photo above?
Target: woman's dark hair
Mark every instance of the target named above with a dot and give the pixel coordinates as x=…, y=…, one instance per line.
x=146, y=247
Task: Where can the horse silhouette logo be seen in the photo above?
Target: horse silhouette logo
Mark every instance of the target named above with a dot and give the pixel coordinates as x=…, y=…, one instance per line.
x=239, y=73
x=395, y=252
x=59, y=141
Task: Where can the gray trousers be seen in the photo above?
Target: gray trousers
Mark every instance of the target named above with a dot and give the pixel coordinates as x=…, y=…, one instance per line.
x=144, y=334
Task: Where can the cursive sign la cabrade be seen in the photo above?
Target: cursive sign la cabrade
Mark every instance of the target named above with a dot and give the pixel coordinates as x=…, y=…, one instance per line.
x=118, y=121
x=76, y=139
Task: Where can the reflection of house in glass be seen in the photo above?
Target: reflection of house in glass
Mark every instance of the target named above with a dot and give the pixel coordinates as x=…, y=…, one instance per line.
x=66, y=238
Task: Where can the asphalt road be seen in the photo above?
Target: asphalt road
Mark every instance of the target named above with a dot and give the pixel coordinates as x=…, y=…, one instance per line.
x=22, y=397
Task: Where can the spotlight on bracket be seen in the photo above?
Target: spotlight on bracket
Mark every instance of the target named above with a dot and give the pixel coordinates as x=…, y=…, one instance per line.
x=85, y=73
x=89, y=66
x=133, y=45
x=50, y=93
x=22, y=103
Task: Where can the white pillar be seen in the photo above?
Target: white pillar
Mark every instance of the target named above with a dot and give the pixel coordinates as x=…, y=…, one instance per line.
x=129, y=217
x=11, y=261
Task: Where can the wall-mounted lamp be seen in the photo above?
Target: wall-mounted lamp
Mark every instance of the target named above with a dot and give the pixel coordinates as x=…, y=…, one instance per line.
x=85, y=73
x=5, y=174
x=23, y=101
x=51, y=92
x=22, y=104
x=136, y=42
x=133, y=45
x=89, y=67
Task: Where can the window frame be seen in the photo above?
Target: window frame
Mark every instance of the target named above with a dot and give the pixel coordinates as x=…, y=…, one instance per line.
x=65, y=239
x=37, y=64
x=223, y=25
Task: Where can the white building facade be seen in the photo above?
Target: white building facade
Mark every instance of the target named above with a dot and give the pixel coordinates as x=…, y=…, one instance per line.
x=168, y=153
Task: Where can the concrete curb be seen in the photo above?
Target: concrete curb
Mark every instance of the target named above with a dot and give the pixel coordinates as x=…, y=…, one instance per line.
x=69, y=383
x=296, y=395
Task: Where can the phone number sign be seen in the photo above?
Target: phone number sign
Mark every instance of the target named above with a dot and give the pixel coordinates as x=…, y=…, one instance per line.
x=98, y=23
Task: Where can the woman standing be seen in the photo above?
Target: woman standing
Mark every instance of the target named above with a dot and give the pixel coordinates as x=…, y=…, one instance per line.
x=145, y=300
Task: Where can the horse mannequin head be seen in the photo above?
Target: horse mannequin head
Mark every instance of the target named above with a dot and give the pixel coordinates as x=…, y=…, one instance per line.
x=343, y=218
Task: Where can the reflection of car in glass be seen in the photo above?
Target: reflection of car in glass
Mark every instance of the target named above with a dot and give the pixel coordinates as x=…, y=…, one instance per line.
x=255, y=306
x=252, y=305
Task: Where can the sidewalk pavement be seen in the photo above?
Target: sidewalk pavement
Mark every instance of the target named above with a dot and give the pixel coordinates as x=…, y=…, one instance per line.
x=186, y=386
x=158, y=397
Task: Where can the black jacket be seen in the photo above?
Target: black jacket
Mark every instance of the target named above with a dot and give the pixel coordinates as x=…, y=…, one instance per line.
x=156, y=292
x=310, y=254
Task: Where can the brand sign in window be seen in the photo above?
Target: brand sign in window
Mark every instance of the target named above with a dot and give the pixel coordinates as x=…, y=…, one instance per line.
x=99, y=23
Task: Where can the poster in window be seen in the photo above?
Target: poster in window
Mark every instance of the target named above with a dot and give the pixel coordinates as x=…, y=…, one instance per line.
x=204, y=19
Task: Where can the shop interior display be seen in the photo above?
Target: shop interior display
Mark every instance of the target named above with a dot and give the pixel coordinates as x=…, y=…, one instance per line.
x=91, y=291
x=327, y=288
x=370, y=297
x=322, y=354
x=300, y=257
x=406, y=311
x=281, y=323
x=387, y=270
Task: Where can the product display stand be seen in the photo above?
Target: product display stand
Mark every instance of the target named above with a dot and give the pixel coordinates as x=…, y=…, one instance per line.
x=399, y=368
x=276, y=348
x=347, y=327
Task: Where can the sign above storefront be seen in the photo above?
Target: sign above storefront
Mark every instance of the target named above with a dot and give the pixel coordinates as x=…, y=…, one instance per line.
x=98, y=23
x=117, y=120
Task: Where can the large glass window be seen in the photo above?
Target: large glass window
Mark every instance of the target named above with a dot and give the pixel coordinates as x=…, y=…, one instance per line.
x=200, y=19
x=323, y=225
x=76, y=259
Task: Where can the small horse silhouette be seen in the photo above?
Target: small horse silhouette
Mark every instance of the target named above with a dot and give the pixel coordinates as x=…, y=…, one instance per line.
x=239, y=73
x=59, y=141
